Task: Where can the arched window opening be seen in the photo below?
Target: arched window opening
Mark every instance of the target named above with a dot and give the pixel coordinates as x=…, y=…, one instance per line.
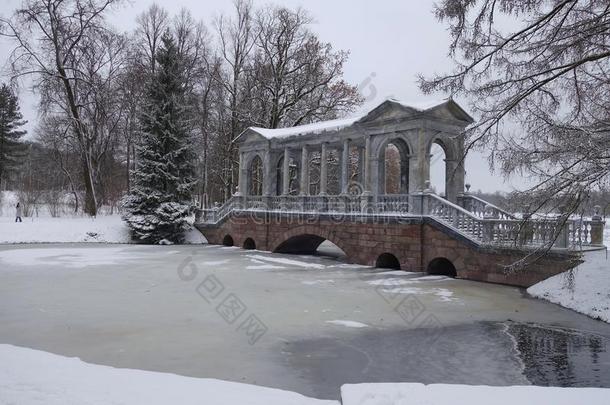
x=293, y=170
x=255, y=173
x=394, y=168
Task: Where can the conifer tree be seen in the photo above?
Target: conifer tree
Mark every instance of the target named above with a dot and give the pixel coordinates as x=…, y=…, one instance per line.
x=159, y=203
x=11, y=119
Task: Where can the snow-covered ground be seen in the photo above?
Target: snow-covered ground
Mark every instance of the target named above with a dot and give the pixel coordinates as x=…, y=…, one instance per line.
x=103, y=229
x=445, y=394
x=32, y=377
x=589, y=290
x=29, y=377
x=43, y=228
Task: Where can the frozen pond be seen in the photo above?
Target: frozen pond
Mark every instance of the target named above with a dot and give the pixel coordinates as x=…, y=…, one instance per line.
x=301, y=323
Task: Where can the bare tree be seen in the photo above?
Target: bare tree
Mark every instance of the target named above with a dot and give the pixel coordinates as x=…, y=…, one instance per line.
x=151, y=25
x=299, y=79
x=236, y=42
x=54, y=40
x=537, y=73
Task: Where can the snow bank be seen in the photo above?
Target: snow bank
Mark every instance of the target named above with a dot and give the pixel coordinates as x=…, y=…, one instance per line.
x=444, y=394
x=589, y=291
x=29, y=377
x=103, y=229
x=348, y=324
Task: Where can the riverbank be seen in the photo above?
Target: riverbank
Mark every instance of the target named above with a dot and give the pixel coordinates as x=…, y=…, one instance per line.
x=33, y=377
x=80, y=229
x=585, y=289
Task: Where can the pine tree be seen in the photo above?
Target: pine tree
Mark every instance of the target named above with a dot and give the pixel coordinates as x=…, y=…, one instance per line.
x=11, y=120
x=159, y=203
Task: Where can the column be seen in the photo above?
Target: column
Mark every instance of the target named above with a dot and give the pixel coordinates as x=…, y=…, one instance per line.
x=267, y=174
x=450, y=180
x=367, y=165
x=345, y=167
x=361, y=165
x=242, y=186
x=286, y=173
x=304, y=171
x=323, y=168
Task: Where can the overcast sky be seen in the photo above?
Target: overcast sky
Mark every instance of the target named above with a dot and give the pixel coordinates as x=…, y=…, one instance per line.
x=390, y=42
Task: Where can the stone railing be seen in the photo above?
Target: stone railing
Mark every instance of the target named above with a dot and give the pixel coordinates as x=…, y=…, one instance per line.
x=488, y=226
x=557, y=232
x=482, y=208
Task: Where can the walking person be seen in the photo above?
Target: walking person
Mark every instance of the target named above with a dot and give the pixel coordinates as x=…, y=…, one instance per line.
x=18, y=213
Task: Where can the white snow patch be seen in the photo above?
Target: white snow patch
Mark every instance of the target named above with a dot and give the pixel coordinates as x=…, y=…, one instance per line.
x=265, y=267
x=102, y=229
x=393, y=281
x=316, y=128
x=442, y=293
x=215, y=262
x=67, y=257
x=348, y=324
x=315, y=282
x=590, y=294
x=33, y=377
x=394, y=273
x=288, y=262
x=446, y=394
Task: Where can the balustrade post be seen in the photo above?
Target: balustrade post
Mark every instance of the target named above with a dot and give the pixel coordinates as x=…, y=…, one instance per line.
x=488, y=227
x=597, y=228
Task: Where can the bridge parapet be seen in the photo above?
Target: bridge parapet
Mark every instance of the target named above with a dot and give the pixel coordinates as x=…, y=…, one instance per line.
x=488, y=226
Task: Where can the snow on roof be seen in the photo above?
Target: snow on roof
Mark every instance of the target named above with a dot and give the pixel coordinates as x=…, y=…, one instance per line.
x=315, y=128
x=338, y=124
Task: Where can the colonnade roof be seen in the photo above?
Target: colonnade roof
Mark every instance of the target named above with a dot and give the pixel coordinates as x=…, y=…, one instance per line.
x=450, y=107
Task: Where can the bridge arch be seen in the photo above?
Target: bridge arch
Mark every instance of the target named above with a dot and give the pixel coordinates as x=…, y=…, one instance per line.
x=249, y=244
x=305, y=239
x=441, y=266
x=228, y=240
x=387, y=261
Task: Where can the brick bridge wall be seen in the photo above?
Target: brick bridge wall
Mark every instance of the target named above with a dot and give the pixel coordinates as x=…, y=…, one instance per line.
x=415, y=242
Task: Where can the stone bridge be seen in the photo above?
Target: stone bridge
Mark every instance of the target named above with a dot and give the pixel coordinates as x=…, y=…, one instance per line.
x=364, y=184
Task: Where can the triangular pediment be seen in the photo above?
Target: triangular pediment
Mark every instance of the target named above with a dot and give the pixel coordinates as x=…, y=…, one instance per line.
x=248, y=136
x=389, y=110
x=394, y=110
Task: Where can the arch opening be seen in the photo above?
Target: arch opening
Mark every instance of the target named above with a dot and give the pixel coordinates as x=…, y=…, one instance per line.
x=387, y=261
x=310, y=244
x=249, y=244
x=228, y=241
x=441, y=267
x=293, y=176
x=394, y=167
x=438, y=168
x=255, y=176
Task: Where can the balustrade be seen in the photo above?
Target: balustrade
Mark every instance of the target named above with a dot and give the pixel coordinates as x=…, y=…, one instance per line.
x=489, y=225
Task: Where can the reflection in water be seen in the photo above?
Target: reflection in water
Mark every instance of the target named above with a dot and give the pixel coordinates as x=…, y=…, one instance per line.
x=562, y=357
x=481, y=353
